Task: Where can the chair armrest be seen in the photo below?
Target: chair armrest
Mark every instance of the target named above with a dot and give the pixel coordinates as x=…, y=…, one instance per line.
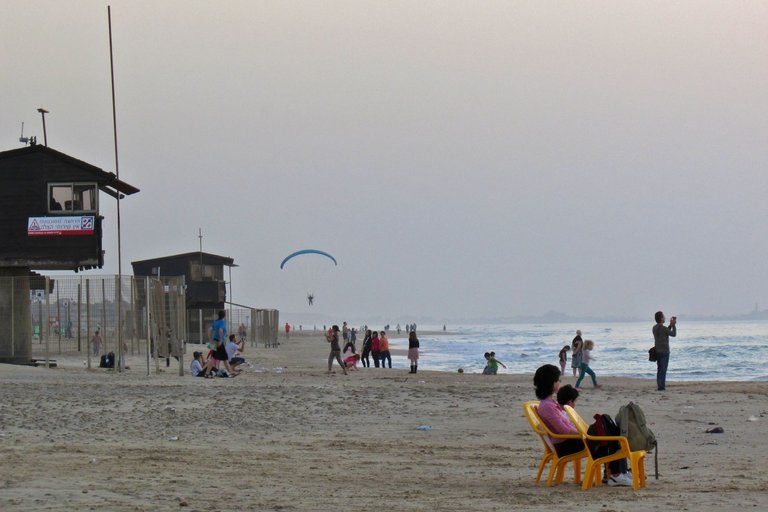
x=623, y=442
x=563, y=436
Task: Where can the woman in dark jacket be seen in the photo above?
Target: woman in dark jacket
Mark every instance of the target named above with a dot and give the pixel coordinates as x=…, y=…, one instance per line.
x=366, y=349
x=413, y=351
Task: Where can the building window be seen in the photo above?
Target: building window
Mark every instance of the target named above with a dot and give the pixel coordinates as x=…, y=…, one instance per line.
x=209, y=272
x=73, y=198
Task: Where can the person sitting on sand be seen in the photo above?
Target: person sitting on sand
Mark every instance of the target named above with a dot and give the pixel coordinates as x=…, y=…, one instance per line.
x=233, y=348
x=546, y=380
x=107, y=360
x=196, y=367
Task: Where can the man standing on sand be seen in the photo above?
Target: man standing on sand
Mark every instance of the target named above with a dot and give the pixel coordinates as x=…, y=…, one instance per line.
x=661, y=334
x=333, y=338
x=287, y=330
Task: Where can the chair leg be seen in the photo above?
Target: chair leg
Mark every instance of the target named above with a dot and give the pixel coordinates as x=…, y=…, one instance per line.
x=551, y=477
x=577, y=471
x=588, y=476
x=638, y=470
x=541, y=468
x=560, y=475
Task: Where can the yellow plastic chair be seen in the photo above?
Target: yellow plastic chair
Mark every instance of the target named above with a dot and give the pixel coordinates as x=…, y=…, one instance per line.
x=535, y=423
x=557, y=469
x=593, y=474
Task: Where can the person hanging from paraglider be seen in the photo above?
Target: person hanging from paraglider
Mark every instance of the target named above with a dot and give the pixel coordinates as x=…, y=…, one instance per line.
x=308, y=267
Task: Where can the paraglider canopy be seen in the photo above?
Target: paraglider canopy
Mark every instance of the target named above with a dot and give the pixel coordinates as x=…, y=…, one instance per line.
x=307, y=251
x=309, y=267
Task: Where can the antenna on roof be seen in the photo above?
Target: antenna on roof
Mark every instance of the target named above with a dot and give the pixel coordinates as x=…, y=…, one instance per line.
x=27, y=140
x=45, y=134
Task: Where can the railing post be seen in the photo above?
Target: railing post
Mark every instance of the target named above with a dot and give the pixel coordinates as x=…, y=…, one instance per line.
x=149, y=326
x=88, y=348
x=47, y=322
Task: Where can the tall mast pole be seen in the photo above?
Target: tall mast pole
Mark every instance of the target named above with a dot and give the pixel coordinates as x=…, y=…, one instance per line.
x=120, y=354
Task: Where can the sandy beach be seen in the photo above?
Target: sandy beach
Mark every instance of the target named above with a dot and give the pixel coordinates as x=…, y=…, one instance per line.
x=284, y=435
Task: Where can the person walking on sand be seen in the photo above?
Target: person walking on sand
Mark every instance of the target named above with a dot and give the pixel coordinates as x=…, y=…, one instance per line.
x=413, y=351
x=563, y=356
x=661, y=334
x=218, y=346
x=576, y=346
x=585, y=368
x=333, y=338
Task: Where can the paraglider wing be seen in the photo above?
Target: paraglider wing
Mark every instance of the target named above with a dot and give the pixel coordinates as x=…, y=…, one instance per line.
x=307, y=251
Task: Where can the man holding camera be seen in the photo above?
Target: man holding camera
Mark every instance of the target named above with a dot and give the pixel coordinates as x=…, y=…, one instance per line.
x=661, y=334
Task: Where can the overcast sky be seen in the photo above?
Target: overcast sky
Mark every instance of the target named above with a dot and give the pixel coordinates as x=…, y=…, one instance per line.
x=460, y=159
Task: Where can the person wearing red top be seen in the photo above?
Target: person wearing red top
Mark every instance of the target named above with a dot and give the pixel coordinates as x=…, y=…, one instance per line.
x=384, y=353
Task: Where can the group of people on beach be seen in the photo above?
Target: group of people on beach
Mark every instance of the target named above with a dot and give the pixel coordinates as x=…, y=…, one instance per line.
x=375, y=346
x=223, y=350
x=582, y=353
x=554, y=398
x=580, y=359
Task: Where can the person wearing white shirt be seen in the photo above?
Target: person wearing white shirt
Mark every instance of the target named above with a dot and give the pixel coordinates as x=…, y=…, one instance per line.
x=233, y=347
x=197, y=365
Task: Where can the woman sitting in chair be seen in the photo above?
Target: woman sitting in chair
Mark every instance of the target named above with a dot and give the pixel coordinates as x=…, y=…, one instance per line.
x=547, y=383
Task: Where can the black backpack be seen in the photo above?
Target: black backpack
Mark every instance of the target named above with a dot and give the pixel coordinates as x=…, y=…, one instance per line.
x=603, y=426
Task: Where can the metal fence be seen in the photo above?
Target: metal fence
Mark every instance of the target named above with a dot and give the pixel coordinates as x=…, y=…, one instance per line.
x=91, y=314
x=258, y=326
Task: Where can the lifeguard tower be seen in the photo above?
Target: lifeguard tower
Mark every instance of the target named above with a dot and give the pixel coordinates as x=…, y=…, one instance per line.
x=49, y=220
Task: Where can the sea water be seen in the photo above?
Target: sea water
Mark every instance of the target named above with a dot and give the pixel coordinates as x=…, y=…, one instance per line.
x=701, y=351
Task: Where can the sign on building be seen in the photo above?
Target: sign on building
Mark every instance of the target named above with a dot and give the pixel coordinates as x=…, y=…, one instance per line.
x=60, y=226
